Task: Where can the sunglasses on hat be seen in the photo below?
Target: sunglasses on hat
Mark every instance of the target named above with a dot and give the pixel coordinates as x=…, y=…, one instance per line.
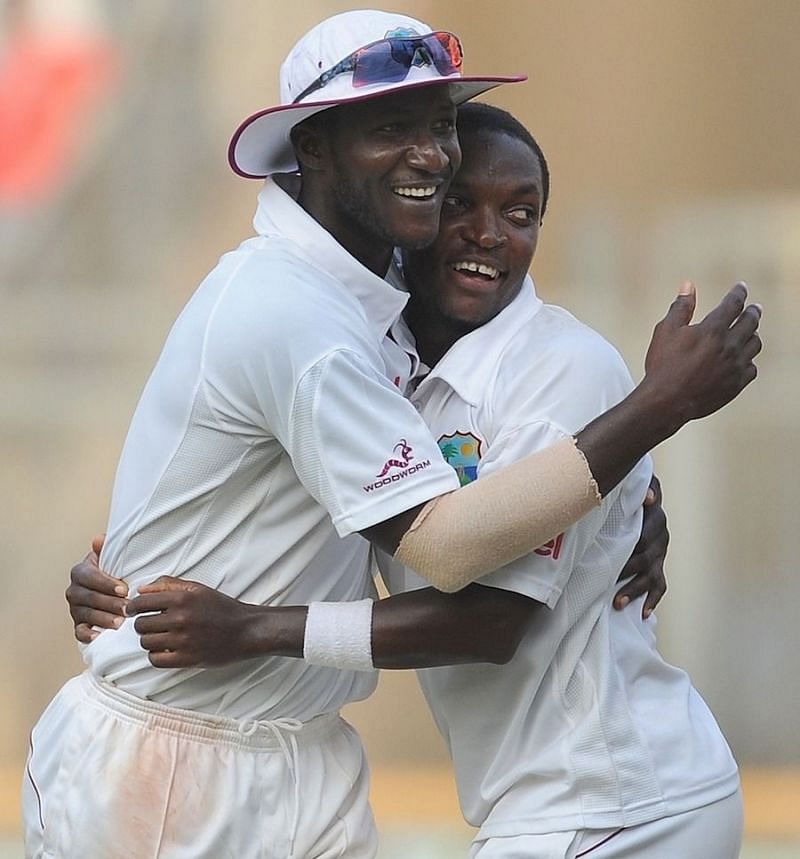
x=390, y=60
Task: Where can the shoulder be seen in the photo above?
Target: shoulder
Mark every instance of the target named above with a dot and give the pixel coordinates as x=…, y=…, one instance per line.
x=556, y=368
x=268, y=294
x=272, y=275
x=556, y=344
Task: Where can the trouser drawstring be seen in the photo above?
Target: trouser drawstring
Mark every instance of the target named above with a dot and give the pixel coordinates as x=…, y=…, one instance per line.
x=279, y=728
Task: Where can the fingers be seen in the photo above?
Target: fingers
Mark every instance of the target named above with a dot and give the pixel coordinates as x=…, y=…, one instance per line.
x=630, y=591
x=164, y=651
x=166, y=592
x=88, y=574
x=748, y=320
x=621, y=600
x=95, y=599
x=169, y=659
x=153, y=602
x=739, y=327
x=168, y=583
x=646, y=564
x=158, y=641
x=653, y=582
x=751, y=348
x=85, y=634
x=745, y=329
x=633, y=587
x=160, y=621
x=682, y=308
x=95, y=617
x=654, y=595
x=743, y=338
x=80, y=597
x=89, y=609
x=655, y=488
x=653, y=496
x=729, y=309
x=750, y=375
x=97, y=543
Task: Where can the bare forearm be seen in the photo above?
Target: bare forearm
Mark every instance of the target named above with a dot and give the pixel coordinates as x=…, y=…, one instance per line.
x=418, y=629
x=426, y=628
x=273, y=631
x=618, y=439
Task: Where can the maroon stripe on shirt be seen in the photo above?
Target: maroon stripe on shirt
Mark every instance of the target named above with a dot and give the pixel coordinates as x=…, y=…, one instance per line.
x=33, y=783
x=599, y=843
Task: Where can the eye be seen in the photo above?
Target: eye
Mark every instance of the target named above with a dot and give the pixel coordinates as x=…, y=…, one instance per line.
x=446, y=125
x=453, y=203
x=390, y=128
x=524, y=216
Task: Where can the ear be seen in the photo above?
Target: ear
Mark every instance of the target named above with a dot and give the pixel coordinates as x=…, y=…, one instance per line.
x=310, y=145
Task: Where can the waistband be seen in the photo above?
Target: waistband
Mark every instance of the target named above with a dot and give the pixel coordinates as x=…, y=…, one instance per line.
x=275, y=735
x=202, y=727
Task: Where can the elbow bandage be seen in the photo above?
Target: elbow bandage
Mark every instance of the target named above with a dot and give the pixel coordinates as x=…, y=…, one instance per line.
x=339, y=635
x=466, y=534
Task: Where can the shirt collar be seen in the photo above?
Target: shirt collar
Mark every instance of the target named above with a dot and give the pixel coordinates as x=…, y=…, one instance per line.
x=468, y=365
x=401, y=334
x=278, y=214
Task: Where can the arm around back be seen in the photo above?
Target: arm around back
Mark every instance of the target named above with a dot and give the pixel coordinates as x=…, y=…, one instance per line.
x=691, y=371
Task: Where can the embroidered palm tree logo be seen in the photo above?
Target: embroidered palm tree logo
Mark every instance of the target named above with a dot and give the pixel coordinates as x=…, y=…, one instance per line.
x=449, y=451
x=462, y=451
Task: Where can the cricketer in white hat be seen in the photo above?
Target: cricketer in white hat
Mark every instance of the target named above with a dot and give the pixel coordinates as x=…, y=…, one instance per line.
x=272, y=409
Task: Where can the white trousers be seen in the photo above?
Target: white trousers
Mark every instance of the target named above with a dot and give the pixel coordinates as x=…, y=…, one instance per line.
x=711, y=832
x=110, y=775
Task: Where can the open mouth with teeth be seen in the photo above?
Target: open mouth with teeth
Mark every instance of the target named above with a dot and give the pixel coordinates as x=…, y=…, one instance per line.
x=419, y=193
x=478, y=270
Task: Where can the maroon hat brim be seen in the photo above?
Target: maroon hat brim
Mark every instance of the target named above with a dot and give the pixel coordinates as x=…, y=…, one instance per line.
x=261, y=145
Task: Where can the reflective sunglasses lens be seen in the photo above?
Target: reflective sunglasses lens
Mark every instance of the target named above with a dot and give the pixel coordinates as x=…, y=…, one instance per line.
x=379, y=64
x=445, y=51
x=389, y=61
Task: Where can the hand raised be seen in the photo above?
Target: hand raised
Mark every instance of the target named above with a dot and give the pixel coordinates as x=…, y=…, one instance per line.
x=697, y=369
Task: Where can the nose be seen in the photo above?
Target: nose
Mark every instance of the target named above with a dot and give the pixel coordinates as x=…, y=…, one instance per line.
x=484, y=228
x=427, y=153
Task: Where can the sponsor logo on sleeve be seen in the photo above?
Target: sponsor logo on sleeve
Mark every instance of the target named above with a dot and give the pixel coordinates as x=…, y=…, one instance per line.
x=398, y=467
x=552, y=548
x=462, y=450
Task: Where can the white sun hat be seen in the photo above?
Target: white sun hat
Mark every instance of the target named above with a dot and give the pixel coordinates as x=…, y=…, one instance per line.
x=322, y=71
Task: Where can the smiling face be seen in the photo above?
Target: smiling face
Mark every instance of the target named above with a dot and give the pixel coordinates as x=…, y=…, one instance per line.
x=384, y=170
x=487, y=237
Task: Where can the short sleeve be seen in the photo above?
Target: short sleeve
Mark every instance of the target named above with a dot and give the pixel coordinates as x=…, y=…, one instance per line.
x=303, y=366
x=542, y=574
x=570, y=379
x=359, y=447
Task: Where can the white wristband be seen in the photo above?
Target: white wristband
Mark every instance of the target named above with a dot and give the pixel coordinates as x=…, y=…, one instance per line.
x=339, y=635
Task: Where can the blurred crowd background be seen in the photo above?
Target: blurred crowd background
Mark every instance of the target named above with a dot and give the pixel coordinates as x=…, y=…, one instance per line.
x=672, y=134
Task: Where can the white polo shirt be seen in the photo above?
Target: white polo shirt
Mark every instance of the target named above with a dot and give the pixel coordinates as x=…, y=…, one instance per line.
x=586, y=727
x=270, y=431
